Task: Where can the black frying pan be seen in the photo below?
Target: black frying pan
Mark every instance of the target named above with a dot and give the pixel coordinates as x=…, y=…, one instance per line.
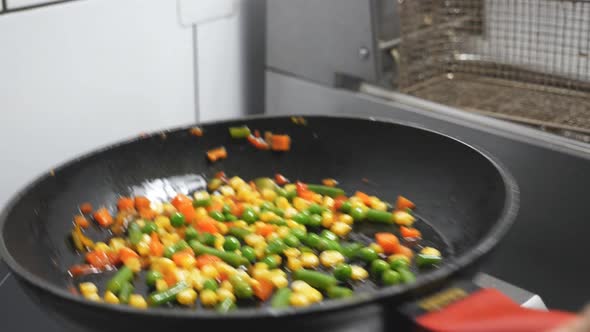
x=465, y=201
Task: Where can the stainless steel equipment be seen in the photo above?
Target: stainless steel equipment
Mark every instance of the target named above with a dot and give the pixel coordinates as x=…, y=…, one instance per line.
x=525, y=61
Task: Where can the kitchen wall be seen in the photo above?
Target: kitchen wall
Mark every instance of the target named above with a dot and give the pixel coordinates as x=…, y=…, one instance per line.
x=80, y=74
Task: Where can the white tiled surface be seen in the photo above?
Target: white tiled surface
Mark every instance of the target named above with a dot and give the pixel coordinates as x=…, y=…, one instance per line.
x=12, y=4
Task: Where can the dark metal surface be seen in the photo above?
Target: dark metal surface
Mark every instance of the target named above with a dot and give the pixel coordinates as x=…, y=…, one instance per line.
x=551, y=171
x=466, y=198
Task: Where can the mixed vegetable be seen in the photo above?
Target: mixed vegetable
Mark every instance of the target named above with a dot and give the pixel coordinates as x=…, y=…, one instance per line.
x=243, y=243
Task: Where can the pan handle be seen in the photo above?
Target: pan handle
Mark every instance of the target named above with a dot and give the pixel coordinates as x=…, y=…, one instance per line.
x=485, y=310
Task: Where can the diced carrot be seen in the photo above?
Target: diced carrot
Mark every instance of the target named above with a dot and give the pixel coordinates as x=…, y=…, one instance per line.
x=170, y=278
x=215, y=154
x=265, y=229
x=410, y=233
x=303, y=192
x=156, y=247
x=206, y=259
x=82, y=269
x=263, y=289
x=329, y=182
x=142, y=202
x=147, y=213
x=86, y=208
x=103, y=217
x=207, y=225
x=280, y=143
x=81, y=221
x=389, y=242
x=114, y=258
x=125, y=203
x=188, y=211
x=180, y=257
x=217, y=206
x=404, y=203
x=98, y=259
x=237, y=209
x=281, y=180
x=180, y=199
x=127, y=253
x=196, y=131
x=403, y=250
x=258, y=142
x=221, y=176
x=364, y=197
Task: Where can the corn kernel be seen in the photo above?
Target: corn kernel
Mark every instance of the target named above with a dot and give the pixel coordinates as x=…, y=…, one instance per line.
x=309, y=260
x=116, y=244
x=292, y=252
x=227, y=285
x=282, y=203
x=290, y=187
x=299, y=300
x=430, y=251
x=381, y=206
x=331, y=258
x=277, y=259
x=403, y=218
x=140, y=222
x=236, y=182
x=201, y=195
x=161, y=285
x=260, y=251
x=208, y=298
x=195, y=279
x=279, y=281
x=137, y=301
x=293, y=263
x=227, y=191
x=111, y=298
x=398, y=256
x=328, y=202
x=87, y=288
x=222, y=228
x=317, y=198
x=187, y=297
x=254, y=240
x=223, y=294
x=180, y=274
x=355, y=201
x=290, y=212
x=157, y=207
x=261, y=274
x=299, y=286
x=269, y=194
x=283, y=231
x=300, y=204
x=219, y=240
x=102, y=247
x=358, y=273
x=340, y=228
x=133, y=264
x=188, y=262
x=224, y=268
x=260, y=266
x=345, y=218
x=378, y=249
x=313, y=295
x=240, y=224
x=217, y=199
x=200, y=213
x=327, y=219
x=209, y=271
x=93, y=297
x=162, y=264
x=143, y=249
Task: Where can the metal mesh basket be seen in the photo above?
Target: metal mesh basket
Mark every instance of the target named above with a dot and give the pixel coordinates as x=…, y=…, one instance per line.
x=521, y=60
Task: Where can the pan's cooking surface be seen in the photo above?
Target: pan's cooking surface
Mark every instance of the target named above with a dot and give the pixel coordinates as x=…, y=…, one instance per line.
x=459, y=191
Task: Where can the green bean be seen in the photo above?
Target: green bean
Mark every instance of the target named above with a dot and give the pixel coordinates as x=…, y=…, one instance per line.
x=122, y=276
x=134, y=233
x=326, y=234
x=315, y=220
x=368, y=254
x=292, y=241
x=166, y=296
x=231, y=258
x=299, y=233
x=281, y=298
x=351, y=250
x=391, y=277
x=214, y=184
x=149, y=227
x=231, y=243
x=125, y=292
x=172, y=249
x=190, y=233
x=357, y=213
x=276, y=246
x=226, y=305
x=379, y=266
x=206, y=238
x=229, y=217
x=399, y=263
x=152, y=276
x=242, y=289
x=331, y=245
x=423, y=260
x=342, y=272
x=406, y=276
x=248, y=253
x=379, y=216
x=226, y=209
x=312, y=239
x=217, y=215
x=249, y=215
x=271, y=262
x=302, y=218
x=325, y=190
x=239, y=232
x=239, y=132
x=316, y=209
x=210, y=284
x=202, y=202
x=315, y=279
x=337, y=292
x=346, y=206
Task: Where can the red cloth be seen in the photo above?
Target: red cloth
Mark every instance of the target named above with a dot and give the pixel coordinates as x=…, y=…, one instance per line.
x=488, y=310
